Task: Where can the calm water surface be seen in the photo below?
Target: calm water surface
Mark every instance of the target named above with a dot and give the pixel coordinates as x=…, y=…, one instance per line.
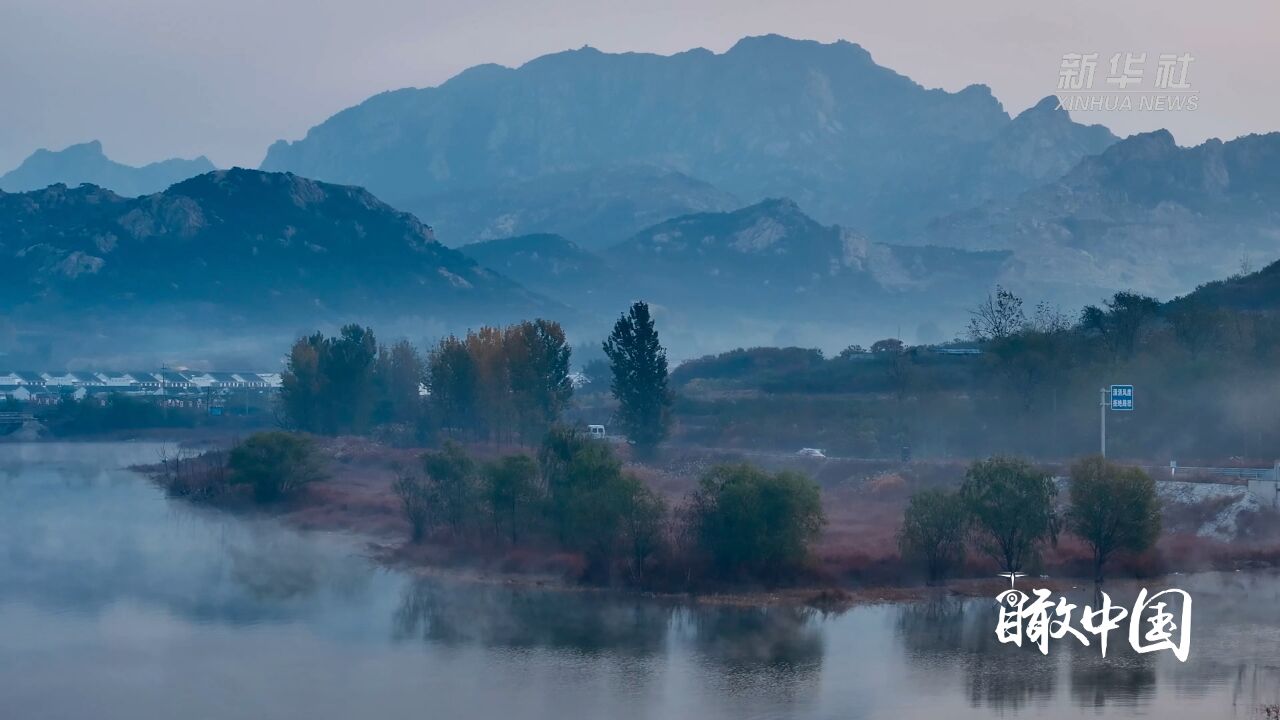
x=118, y=603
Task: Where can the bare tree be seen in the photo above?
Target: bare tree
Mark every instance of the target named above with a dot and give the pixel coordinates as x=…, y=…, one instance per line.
x=997, y=317
x=1049, y=319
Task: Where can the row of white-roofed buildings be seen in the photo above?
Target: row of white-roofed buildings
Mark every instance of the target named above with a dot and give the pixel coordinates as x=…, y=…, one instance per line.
x=50, y=387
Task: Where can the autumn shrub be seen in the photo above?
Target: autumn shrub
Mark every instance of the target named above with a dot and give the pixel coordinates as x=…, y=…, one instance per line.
x=274, y=464
x=752, y=524
x=933, y=532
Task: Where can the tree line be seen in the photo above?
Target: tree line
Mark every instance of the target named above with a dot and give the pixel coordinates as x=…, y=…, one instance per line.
x=501, y=384
x=1007, y=510
x=1031, y=386
x=741, y=523
x=495, y=384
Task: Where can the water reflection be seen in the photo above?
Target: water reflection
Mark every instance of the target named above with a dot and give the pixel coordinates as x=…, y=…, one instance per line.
x=1123, y=678
x=748, y=652
x=82, y=536
x=118, y=602
x=497, y=616
x=769, y=638
x=958, y=632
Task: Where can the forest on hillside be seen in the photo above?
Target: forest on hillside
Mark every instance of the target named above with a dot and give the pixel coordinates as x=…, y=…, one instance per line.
x=1025, y=380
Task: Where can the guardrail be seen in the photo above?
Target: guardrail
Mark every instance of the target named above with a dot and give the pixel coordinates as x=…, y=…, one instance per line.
x=1264, y=483
x=15, y=417
x=1271, y=473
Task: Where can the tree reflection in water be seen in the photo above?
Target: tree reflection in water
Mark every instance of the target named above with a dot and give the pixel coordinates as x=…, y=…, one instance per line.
x=759, y=637
x=495, y=616
x=1123, y=678
x=952, y=632
x=773, y=651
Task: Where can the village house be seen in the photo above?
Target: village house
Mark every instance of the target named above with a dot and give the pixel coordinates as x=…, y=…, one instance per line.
x=178, y=387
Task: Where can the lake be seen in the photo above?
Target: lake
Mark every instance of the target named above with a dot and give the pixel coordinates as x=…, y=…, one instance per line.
x=116, y=602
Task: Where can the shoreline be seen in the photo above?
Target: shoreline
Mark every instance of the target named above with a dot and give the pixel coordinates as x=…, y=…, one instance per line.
x=854, y=564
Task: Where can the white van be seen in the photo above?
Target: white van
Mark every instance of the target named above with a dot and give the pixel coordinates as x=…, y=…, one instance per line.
x=596, y=431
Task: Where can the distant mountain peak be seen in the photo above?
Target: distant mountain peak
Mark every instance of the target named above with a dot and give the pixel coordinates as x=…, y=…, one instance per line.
x=774, y=42
x=270, y=249
x=1157, y=143
x=87, y=163
x=1046, y=104
x=854, y=141
x=92, y=148
x=977, y=90
x=777, y=205
x=1145, y=214
x=771, y=227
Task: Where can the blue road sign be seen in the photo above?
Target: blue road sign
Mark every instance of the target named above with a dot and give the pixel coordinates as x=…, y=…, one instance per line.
x=1121, y=397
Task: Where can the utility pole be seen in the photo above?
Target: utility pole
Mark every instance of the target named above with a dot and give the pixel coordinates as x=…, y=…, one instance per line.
x=1102, y=415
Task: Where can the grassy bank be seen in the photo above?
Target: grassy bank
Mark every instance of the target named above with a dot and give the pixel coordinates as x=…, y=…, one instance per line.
x=855, y=557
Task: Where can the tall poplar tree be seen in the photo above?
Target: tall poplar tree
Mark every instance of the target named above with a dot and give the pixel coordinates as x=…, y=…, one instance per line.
x=639, y=365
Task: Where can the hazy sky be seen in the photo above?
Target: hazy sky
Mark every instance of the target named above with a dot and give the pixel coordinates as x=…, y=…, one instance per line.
x=225, y=78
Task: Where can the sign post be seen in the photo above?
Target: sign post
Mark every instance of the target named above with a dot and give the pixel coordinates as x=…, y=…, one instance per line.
x=1118, y=398
x=1102, y=415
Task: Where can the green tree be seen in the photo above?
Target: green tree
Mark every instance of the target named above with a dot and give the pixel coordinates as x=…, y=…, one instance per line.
x=327, y=386
x=572, y=466
x=417, y=502
x=754, y=524
x=1012, y=506
x=616, y=519
x=452, y=475
x=933, y=530
x=494, y=412
x=274, y=464
x=644, y=525
x=597, y=509
x=302, y=386
x=639, y=365
x=1112, y=508
x=452, y=375
x=512, y=494
x=346, y=364
x=538, y=362
x=398, y=373
x=888, y=345
x=1121, y=320
x=1196, y=324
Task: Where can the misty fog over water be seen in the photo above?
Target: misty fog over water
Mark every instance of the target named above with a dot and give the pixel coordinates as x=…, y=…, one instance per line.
x=117, y=603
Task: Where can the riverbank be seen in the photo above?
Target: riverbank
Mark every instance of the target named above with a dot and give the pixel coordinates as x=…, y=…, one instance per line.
x=115, y=597
x=855, y=559
x=193, y=438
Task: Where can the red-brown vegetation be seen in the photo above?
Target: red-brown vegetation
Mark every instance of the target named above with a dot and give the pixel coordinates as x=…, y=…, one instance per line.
x=857, y=551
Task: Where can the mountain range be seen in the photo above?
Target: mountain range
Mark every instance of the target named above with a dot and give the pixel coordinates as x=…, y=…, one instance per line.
x=1252, y=292
x=784, y=256
x=781, y=193
x=556, y=267
x=766, y=273
x=86, y=163
x=234, y=253
x=1144, y=214
x=852, y=141
x=597, y=207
